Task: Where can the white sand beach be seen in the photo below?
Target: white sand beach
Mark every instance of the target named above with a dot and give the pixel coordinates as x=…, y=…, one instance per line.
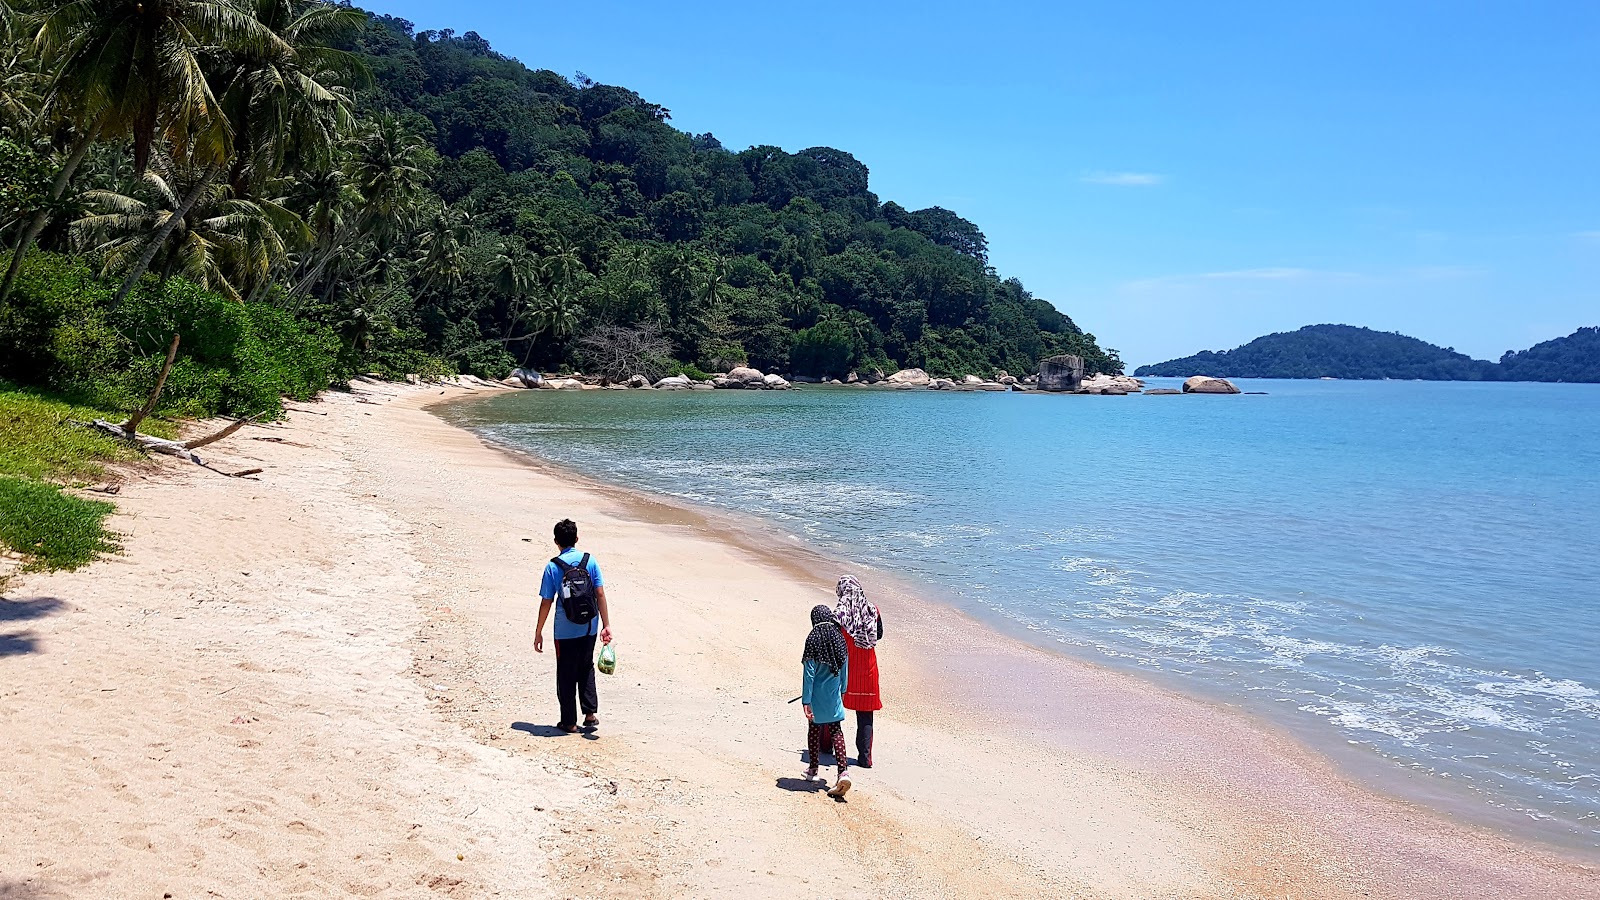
x=321, y=682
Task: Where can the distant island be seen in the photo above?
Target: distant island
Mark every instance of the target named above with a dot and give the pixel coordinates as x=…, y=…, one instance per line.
x=1347, y=351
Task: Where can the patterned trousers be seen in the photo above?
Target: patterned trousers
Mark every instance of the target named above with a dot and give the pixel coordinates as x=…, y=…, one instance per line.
x=820, y=735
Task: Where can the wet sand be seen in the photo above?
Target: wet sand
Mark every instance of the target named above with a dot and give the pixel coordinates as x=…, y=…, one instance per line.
x=322, y=683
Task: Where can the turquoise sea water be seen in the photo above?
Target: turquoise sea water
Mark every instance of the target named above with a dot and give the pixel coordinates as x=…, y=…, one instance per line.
x=1405, y=571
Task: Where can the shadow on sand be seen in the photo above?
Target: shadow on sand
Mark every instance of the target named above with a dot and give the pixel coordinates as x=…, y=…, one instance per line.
x=16, y=643
x=550, y=731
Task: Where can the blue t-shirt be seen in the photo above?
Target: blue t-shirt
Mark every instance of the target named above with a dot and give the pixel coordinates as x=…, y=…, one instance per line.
x=550, y=589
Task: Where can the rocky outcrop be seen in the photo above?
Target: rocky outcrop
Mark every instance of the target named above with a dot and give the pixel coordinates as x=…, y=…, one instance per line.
x=941, y=384
x=523, y=378
x=1201, y=384
x=1060, y=373
x=746, y=378
x=561, y=384
x=991, y=386
x=638, y=381
x=674, y=383
x=971, y=379
x=1162, y=392
x=912, y=377
x=751, y=377
x=1108, y=384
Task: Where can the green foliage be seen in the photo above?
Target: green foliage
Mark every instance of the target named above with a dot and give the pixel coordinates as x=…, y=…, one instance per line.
x=482, y=215
x=24, y=180
x=60, y=332
x=691, y=371
x=1575, y=357
x=827, y=349
x=1332, y=351
x=55, y=530
x=38, y=443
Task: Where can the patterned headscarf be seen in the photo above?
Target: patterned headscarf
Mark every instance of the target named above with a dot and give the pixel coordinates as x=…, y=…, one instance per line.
x=825, y=643
x=856, y=613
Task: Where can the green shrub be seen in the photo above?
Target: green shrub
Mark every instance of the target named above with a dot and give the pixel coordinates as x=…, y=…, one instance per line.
x=54, y=529
x=826, y=349
x=687, y=369
x=60, y=332
x=39, y=441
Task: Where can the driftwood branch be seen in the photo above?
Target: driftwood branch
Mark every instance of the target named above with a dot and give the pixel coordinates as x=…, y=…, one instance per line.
x=181, y=449
x=132, y=425
x=233, y=426
x=152, y=444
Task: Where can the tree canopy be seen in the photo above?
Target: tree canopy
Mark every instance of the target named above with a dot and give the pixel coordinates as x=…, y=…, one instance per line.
x=1331, y=351
x=445, y=207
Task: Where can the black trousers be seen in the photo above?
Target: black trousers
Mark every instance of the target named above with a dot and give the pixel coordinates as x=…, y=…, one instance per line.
x=575, y=678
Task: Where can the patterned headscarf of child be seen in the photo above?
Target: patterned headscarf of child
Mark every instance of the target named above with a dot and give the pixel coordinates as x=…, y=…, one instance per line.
x=856, y=613
x=825, y=643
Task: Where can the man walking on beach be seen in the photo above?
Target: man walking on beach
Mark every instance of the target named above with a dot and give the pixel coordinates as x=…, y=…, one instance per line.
x=574, y=579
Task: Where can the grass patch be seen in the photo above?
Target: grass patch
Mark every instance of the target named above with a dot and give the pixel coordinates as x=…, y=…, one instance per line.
x=39, y=445
x=39, y=441
x=54, y=529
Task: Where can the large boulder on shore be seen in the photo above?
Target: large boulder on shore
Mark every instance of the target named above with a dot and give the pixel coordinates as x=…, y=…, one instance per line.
x=941, y=384
x=674, y=383
x=524, y=378
x=914, y=377
x=638, y=381
x=775, y=382
x=1201, y=384
x=751, y=377
x=1060, y=373
x=1107, y=384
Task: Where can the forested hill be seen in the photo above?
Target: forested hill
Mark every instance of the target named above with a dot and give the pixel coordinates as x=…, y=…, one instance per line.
x=786, y=261
x=1331, y=351
x=1575, y=357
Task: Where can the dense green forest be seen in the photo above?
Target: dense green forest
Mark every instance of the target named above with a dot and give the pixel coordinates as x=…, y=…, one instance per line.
x=309, y=191
x=1575, y=357
x=1344, y=351
x=1331, y=351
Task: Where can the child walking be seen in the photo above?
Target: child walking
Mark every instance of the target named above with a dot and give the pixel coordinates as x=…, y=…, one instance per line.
x=825, y=662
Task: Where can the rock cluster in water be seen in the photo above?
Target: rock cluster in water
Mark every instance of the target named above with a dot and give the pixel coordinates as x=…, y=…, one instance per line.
x=749, y=379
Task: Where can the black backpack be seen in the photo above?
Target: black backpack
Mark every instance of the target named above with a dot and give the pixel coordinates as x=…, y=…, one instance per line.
x=577, y=591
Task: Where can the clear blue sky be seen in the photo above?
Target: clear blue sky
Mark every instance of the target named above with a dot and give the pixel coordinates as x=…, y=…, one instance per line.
x=1175, y=176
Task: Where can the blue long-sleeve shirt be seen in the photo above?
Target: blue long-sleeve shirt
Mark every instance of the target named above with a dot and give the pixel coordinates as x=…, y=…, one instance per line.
x=823, y=691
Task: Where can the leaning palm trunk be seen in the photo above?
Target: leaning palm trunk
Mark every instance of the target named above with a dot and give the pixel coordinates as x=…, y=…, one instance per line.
x=159, y=239
x=42, y=217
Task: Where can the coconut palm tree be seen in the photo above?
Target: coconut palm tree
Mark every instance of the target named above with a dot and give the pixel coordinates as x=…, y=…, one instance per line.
x=219, y=242
x=555, y=315
x=442, y=248
x=562, y=267
x=289, y=101
x=137, y=69
x=388, y=168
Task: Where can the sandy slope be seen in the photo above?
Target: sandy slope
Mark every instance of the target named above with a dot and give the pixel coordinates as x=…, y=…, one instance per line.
x=322, y=683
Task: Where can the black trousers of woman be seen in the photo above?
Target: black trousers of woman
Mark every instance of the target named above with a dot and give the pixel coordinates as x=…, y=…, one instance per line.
x=864, y=738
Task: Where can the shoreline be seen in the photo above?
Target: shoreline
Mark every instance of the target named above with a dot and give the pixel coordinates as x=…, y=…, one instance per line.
x=1344, y=773
x=321, y=681
x=1356, y=767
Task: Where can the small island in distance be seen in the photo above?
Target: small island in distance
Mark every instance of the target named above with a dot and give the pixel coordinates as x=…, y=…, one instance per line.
x=1347, y=351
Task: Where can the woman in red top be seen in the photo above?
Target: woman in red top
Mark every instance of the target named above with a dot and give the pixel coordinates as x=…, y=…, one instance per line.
x=863, y=628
